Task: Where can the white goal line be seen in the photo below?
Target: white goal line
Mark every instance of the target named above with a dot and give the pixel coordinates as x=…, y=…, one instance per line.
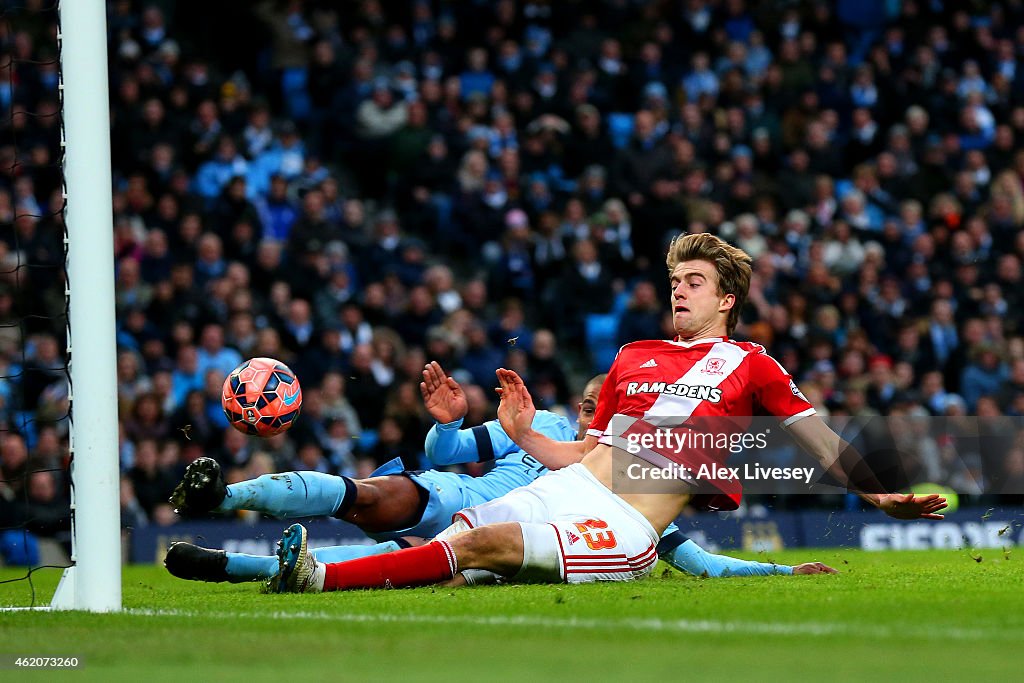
x=652, y=625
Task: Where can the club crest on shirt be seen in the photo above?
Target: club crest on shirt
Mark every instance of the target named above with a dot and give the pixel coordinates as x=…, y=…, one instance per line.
x=713, y=366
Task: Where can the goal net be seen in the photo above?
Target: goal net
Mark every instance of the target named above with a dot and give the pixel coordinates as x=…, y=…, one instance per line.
x=58, y=411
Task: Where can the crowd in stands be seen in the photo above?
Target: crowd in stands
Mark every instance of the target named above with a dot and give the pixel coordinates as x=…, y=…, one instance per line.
x=356, y=188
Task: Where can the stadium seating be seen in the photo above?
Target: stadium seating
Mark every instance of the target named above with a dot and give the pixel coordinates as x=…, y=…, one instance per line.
x=602, y=333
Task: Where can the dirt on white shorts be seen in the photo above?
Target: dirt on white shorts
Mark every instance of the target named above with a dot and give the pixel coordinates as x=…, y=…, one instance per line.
x=574, y=529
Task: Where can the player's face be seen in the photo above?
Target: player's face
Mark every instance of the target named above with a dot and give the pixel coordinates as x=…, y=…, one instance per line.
x=698, y=309
x=587, y=408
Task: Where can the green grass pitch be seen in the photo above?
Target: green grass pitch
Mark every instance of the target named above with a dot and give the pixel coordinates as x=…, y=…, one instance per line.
x=902, y=616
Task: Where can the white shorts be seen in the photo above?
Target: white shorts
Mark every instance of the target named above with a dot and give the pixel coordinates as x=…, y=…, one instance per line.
x=574, y=529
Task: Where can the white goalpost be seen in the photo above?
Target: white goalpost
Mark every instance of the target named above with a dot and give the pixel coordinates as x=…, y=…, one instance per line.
x=93, y=582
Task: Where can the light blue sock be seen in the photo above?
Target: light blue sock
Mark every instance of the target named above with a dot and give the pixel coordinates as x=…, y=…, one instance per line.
x=343, y=553
x=692, y=559
x=242, y=567
x=289, y=494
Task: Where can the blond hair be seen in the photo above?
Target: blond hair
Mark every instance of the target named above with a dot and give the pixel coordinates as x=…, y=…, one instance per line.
x=731, y=263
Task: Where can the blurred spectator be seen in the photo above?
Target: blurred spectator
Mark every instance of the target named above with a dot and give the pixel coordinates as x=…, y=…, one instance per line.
x=311, y=457
x=390, y=445
x=152, y=484
x=983, y=376
x=362, y=388
x=480, y=357
x=585, y=288
x=132, y=514
x=215, y=174
x=212, y=354
x=545, y=366
x=14, y=465
x=46, y=510
x=146, y=419
x=642, y=318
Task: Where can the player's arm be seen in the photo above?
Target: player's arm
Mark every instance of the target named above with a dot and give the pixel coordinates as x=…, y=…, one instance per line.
x=446, y=443
x=516, y=413
x=686, y=556
x=776, y=391
x=845, y=464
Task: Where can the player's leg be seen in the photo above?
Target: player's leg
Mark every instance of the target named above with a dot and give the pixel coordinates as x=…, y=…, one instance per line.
x=559, y=542
x=445, y=497
x=532, y=552
x=388, y=503
x=375, y=504
x=195, y=563
x=497, y=548
x=341, y=553
x=288, y=494
x=614, y=543
x=465, y=577
x=609, y=541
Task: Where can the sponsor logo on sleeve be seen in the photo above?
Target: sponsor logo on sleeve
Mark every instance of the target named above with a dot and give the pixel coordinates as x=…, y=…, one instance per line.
x=796, y=390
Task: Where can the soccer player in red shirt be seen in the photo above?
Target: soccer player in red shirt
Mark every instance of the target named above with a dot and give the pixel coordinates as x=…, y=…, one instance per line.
x=569, y=525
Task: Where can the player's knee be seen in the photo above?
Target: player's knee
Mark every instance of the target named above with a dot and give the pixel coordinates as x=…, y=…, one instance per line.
x=497, y=548
x=385, y=494
x=473, y=545
x=368, y=494
x=370, y=500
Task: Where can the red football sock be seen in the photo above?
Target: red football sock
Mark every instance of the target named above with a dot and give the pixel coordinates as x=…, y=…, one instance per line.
x=427, y=564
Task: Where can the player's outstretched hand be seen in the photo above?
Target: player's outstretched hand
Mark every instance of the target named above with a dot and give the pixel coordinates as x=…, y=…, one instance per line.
x=813, y=568
x=909, y=506
x=516, y=410
x=442, y=395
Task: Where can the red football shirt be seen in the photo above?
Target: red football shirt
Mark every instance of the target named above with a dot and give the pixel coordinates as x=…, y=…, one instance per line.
x=688, y=384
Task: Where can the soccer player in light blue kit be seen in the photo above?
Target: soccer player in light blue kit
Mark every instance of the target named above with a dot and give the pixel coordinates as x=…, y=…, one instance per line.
x=401, y=508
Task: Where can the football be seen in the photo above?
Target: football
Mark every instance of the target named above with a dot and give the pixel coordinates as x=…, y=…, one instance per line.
x=261, y=397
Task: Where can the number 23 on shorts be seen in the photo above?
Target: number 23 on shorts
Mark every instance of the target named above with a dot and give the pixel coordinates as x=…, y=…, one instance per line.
x=596, y=540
